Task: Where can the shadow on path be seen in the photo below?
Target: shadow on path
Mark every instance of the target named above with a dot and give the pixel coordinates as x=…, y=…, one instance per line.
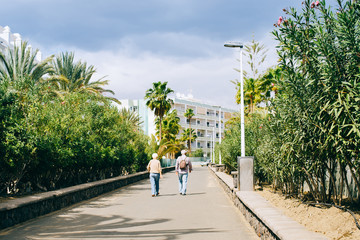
x=100, y=227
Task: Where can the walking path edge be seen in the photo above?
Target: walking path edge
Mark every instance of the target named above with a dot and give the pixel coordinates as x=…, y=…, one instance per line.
x=267, y=221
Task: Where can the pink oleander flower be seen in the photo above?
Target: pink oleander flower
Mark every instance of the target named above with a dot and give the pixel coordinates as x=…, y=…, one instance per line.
x=312, y=5
x=63, y=102
x=272, y=84
x=279, y=21
x=317, y=3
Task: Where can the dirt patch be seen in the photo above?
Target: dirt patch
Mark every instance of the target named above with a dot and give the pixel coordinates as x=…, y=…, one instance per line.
x=332, y=222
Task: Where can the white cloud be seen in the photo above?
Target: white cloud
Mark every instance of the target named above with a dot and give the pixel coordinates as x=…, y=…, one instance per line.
x=132, y=68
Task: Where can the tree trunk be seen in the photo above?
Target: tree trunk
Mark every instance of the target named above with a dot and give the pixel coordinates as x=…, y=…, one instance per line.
x=189, y=136
x=160, y=128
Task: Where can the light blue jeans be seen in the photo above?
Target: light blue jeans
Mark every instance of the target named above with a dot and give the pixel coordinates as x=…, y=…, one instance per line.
x=183, y=178
x=154, y=181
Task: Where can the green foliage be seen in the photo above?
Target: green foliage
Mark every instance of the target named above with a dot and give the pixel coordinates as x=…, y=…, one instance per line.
x=312, y=132
x=188, y=136
x=198, y=153
x=319, y=54
x=189, y=114
x=48, y=142
x=158, y=101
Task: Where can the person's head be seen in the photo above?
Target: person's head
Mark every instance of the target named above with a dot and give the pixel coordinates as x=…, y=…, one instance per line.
x=154, y=155
x=183, y=152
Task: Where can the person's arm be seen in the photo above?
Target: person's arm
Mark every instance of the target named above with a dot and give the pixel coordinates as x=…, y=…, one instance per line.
x=177, y=166
x=190, y=166
x=148, y=166
x=160, y=170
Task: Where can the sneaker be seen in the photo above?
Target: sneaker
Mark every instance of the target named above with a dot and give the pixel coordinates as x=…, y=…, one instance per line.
x=153, y=195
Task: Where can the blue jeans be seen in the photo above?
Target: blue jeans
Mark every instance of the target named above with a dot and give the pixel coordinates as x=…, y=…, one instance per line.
x=183, y=178
x=154, y=181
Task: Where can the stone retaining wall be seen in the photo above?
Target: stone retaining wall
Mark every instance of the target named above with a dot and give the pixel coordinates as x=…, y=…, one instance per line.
x=18, y=210
x=268, y=222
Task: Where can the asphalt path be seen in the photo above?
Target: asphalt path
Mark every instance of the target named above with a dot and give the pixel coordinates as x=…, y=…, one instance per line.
x=132, y=213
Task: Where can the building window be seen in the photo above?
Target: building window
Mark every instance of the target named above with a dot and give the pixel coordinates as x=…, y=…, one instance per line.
x=198, y=122
x=217, y=125
x=208, y=124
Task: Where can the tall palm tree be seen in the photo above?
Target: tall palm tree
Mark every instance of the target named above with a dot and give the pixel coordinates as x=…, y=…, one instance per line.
x=252, y=93
x=170, y=126
x=189, y=114
x=19, y=62
x=77, y=76
x=158, y=101
x=188, y=136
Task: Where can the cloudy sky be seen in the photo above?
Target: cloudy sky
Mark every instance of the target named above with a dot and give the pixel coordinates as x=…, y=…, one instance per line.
x=135, y=43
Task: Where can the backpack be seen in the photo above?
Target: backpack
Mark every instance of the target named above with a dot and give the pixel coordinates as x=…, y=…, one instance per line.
x=182, y=164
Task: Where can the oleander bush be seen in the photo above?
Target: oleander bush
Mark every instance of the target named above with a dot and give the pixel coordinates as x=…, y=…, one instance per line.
x=311, y=136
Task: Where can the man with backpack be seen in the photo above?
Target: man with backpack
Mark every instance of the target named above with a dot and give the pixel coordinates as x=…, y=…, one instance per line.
x=182, y=168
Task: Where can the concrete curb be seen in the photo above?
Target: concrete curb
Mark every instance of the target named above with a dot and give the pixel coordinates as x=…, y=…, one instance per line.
x=19, y=210
x=267, y=221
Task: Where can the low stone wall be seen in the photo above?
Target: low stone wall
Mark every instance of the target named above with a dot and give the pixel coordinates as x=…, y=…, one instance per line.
x=18, y=210
x=268, y=222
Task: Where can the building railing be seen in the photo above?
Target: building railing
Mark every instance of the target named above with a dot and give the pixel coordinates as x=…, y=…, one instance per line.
x=165, y=162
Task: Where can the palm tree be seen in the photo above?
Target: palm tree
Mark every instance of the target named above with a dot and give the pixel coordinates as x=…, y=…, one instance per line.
x=170, y=126
x=158, y=101
x=76, y=76
x=170, y=147
x=20, y=62
x=188, y=136
x=131, y=117
x=270, y=81
x=189, y=114
x=252, y=93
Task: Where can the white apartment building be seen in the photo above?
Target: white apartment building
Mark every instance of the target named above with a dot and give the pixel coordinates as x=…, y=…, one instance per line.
x=208, y=121
x=8, y=39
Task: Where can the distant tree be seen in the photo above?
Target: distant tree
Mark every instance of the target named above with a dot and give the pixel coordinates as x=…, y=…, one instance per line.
x=185, y=136
x=158, y=101
x=131, y=118
x=199, y=153
x=189, y=114
x=170, y=126
x=256, y=55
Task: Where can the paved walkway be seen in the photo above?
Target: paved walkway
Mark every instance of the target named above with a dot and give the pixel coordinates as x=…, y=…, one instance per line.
x=131, y=213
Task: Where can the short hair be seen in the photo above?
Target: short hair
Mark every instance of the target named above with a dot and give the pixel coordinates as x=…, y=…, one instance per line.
x=155, y=155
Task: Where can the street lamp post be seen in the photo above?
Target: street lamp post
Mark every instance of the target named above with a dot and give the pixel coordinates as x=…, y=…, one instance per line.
x=242, y=120
x=219, y=133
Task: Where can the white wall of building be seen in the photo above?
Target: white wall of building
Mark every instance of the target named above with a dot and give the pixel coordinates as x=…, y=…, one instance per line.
x=205, y=122
x=8, y=39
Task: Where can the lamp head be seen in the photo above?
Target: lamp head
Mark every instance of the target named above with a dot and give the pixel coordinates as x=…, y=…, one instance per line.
x=234, y=44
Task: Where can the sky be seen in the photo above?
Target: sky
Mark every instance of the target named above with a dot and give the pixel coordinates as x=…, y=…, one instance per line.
x=135, y=43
